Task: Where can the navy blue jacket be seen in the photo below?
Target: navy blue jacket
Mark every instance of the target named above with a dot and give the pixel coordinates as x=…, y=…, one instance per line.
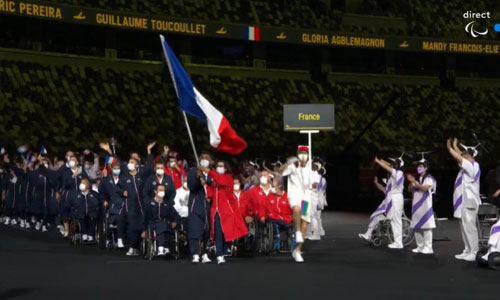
x=160, y=216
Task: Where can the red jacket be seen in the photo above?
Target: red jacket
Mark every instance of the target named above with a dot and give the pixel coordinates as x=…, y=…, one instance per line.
x=278, y=208
x=257, y=201
x=176, y=176
x=221, y=193
x=241, y=204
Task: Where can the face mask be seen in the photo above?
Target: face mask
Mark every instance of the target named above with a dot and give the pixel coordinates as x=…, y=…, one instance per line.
x=131, y=166
x=87, y=166
x=263, y=180
x=161, y=194
x=420, y=170
x=273, y=190
x=116, y=172
x=72, y=163
x=236, y=187
x=302, y=157
x=68, y=158
x=46, y=165
x=204, y=163
x=220, y=170
x=13, y=180
x=160, y=172
x=172, y=165
x=82, y=187
x=185, y=185
x=95, y=188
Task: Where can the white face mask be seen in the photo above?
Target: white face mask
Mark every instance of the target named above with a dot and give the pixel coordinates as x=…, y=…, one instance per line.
x=161, y=194
x=273, y=190
x=172, y=165
x=302, y=157
x=263, y=180
x=87, y=166
x=236, y=187
x=185, y=185
x=204, y=163
x=131, y=166
x=82, y=187
x=95, y=188
x=220, y=170
x=46, y=165
x=160, y=172
x=72, y=163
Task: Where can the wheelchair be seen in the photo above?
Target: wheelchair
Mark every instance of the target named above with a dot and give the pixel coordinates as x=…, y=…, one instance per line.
x=280, y=244
x=149, y=249
x=74, y=234
x=383, y=232
x=487, y=216
x=493, y=261
x=106, y=233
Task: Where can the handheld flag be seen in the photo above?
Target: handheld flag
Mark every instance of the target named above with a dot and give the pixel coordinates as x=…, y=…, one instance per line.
x=2, y=150
x=43, y=150
x=110, y=160
x=222, y=135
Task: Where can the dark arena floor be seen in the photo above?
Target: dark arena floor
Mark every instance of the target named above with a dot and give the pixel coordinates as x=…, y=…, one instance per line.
x=44, y=266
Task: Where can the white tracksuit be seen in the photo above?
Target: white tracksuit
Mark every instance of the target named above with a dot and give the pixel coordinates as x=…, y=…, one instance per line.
x=422, y=219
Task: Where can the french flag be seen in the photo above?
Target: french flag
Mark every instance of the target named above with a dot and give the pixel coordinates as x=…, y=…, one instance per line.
x=110, y=160
x=252, y=33
x=222, y=135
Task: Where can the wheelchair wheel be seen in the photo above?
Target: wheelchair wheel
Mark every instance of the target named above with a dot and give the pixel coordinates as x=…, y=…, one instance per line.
x=175, y=244
x=266, y=238
x=377, y=234
x=102, y=233
x=148, y=247
x=494, y=260
x=408, y=235
x=74, y=232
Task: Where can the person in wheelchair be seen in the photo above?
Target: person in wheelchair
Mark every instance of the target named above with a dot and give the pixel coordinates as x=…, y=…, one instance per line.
x=85, y=207
x=279, y=212
x=162, y=218
x=422, y=219
x=379, y=213
x=108, y=192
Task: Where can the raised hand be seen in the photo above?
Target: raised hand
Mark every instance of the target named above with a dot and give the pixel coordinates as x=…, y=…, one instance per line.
x=105, y=146
x=150, y=146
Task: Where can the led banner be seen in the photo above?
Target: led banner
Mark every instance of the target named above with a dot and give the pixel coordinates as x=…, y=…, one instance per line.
x=98, y=17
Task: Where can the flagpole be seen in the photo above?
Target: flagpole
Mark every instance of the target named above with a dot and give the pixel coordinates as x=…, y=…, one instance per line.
x=191, y=138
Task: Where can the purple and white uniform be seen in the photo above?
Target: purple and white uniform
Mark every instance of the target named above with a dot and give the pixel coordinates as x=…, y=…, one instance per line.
x=422, y=213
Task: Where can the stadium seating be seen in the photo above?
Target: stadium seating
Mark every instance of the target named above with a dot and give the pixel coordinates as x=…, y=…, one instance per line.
x=75, y=105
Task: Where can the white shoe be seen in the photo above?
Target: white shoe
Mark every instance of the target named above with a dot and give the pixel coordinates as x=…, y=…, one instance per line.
x=7, y=221
x=395, y=246
x=167, y=251
x=196, y=259
x=119, y=243
x=314, y=237
x=90, y=239
x=13, y=222
x=462, y=255
x=27, y=225
x=428, y=250
x=364, y=237
x=485, y=257
x=297, y=256
x=65, y=234
x=205, y=259
x=470, y=257
x=161, y=251
x=132, y=252
x=21, y=224
x=84, y=237
x=33, y=219
x=298, y=237
x=221, y=260
x=417, y=250
x=44, y=228
x=61, y=229
x=38, y=225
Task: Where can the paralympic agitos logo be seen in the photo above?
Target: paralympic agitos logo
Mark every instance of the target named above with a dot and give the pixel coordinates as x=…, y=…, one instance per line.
x=470, y=28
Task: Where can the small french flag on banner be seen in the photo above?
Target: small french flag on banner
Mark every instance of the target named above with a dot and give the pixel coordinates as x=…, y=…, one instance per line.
x=252, y=33
x=111, y=160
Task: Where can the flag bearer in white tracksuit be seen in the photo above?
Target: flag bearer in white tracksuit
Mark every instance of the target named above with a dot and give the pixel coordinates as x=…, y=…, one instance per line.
x=395, y=200
x=466, y=198
x=422, y=218
x=379, y=213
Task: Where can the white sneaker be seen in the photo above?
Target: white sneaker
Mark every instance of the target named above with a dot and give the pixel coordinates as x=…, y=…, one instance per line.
x=297, y=256
x=428, y=250
x=27, y=225
x=298, y=237
x=462, y=255
x=161, y=251
x=470, y=257
x=38, y=225
x=166, y=251
x=119, y=243
x=84, y=237
x=21, y=224
x=364, y=237
x=485, y=257
x=395, y=246
x=132, y=252
x=61, y=229
x=221, y=260
x=13, y=222
x=33, y=219
x=417, y=250
x=314, y=237
x=7, y=221
x=44, y=228
x=196, y=259
x=65, y=234
x=205, y=259
x=90, y=238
